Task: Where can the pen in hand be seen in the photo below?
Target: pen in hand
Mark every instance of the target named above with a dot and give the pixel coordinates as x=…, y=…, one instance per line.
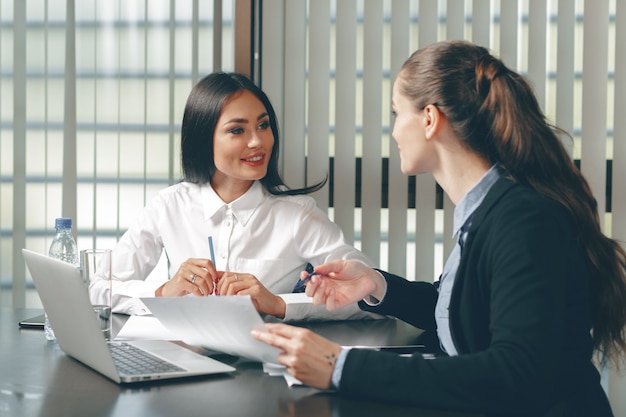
x=215, y=292
x=301, y=284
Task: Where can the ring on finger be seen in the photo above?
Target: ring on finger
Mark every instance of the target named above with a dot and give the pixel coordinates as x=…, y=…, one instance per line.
x=192, y=277
x=236, y=277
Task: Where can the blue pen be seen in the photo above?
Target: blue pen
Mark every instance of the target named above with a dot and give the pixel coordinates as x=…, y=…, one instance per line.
x=301, y=284
x=213, y=260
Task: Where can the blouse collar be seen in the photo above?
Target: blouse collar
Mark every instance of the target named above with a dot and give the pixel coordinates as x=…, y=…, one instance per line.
x=242, y=208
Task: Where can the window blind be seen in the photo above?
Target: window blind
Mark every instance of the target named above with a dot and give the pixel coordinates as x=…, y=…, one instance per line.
x=353, y=49
x=92, y=100
x=328, y=67
x=567, y=49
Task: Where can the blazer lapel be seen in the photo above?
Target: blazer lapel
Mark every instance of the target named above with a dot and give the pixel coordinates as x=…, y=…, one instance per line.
x=500, y=188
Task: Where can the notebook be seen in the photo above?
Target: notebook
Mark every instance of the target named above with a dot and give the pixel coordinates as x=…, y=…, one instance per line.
x=66, y=300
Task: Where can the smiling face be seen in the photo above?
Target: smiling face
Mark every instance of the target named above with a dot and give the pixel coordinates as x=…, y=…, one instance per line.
x=242, y=142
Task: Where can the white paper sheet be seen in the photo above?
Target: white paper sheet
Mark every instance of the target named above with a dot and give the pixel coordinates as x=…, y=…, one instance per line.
x=279, y=370
x=144, y=328
x=222, y=324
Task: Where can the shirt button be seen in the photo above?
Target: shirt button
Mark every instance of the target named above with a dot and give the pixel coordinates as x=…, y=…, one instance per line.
x=227, y=224
x=223, y=256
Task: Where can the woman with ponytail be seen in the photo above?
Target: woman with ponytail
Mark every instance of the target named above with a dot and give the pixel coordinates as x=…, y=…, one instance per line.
x=532, y=292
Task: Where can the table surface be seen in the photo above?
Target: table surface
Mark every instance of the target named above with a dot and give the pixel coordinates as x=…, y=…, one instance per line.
x=38, y=379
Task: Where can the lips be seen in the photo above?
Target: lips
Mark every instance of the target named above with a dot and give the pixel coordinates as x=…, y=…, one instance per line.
x=254, y=160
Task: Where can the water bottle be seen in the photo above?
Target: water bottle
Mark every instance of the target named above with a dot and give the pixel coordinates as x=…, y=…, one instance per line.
x=63, y=247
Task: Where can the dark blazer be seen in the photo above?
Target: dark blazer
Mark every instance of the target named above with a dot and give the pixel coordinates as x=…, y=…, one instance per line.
x=519, y=318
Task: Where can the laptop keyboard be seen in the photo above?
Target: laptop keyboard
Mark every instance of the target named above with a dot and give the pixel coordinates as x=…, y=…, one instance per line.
x=130, y=360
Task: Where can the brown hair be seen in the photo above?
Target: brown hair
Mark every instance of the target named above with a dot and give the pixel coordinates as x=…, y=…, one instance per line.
x=495, y=111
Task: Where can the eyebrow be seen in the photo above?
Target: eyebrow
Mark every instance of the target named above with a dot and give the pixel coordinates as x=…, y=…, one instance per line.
x=261, y=116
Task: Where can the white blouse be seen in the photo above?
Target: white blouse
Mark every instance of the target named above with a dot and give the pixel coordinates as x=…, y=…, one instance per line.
x=271, y=237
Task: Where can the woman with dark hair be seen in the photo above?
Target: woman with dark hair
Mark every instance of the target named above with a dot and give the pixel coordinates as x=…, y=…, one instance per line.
x=530, y=292
x=261, y=232
x=204, y=107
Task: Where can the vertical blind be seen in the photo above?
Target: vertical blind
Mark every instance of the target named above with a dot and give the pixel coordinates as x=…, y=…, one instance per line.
x=92, y=96
x=329, y=66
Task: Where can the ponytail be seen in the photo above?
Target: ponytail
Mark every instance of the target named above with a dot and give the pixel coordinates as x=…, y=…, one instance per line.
x=495, y=111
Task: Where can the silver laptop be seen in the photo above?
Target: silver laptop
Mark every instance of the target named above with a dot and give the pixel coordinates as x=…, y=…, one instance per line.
x=66, y=301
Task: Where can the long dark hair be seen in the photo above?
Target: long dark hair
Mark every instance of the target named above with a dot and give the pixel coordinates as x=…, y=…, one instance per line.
x=202, y=111
x=495, y=111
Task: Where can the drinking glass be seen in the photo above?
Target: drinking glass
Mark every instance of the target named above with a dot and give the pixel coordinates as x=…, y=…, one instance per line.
x=95, y=265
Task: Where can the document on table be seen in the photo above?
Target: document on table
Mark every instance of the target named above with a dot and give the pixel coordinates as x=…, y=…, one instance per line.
x=222, y=324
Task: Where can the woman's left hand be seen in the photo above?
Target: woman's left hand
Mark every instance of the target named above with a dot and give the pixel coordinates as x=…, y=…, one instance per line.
x=235, y=283
x=307, y=356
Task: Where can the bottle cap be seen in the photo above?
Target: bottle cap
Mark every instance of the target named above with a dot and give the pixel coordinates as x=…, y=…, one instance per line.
x=63, y=223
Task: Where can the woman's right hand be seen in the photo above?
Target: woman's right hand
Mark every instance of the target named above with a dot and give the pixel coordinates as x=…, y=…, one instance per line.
x=306, y=355
x=342, y=282
x=194, y=276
